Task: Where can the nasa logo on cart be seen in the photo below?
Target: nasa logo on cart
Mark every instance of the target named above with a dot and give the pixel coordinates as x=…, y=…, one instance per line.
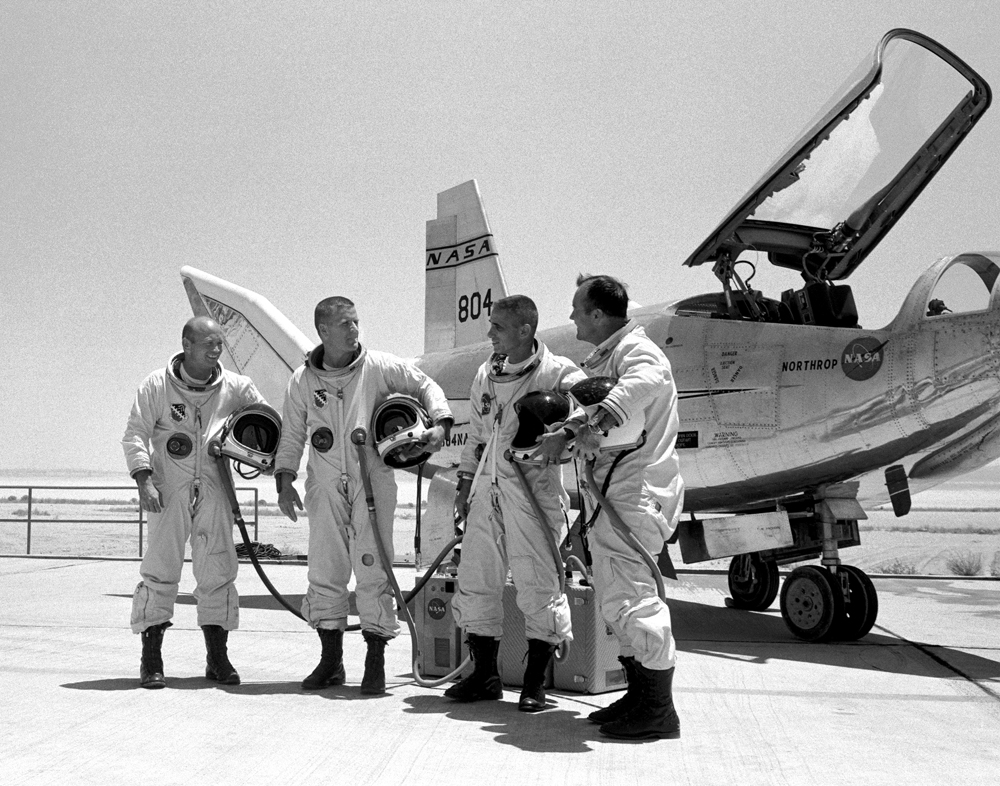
x=436, y=608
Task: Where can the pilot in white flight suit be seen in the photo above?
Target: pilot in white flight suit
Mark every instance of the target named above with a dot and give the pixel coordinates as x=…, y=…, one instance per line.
x=177, y=410
x=647, y=492
x=502, y=529
x=328, y=397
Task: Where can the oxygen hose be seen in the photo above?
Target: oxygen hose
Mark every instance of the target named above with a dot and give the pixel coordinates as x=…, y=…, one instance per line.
x=553, y=548
x=227, y=483
x=622, y=529
x=359, y=436
x=562, y=651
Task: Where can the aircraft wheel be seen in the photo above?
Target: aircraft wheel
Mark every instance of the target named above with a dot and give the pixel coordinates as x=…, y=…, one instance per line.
x=860, y=606
x=753, y=582
x=810, y=603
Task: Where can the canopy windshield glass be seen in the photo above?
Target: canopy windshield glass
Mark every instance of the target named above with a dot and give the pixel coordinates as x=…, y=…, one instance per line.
x=916, y=94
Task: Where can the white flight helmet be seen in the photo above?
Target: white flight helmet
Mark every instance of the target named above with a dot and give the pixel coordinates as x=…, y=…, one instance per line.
x=537, y=412
x=398, y=422
x=250, y=436
x=588, y=394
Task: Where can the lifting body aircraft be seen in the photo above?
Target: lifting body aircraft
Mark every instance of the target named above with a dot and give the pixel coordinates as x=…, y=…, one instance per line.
x=793, y=417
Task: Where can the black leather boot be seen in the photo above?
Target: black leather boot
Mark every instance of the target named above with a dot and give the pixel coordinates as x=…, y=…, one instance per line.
x=330, y=670
x=373, y=681
x=151, y=664
x=484, y=682
x=533, y=690
x=654, y=716
x=217, y=665
x=625, y=703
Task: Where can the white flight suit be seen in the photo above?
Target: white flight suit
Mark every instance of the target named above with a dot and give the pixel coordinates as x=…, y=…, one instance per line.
x=646, y=491
x=341, y=539
x=171, y=417
x=502, y=528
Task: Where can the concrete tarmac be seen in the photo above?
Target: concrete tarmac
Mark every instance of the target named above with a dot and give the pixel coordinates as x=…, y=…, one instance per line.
x=917, y=701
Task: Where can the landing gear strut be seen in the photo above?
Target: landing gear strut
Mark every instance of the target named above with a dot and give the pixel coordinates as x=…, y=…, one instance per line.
x=830, y=601
x=835, y=601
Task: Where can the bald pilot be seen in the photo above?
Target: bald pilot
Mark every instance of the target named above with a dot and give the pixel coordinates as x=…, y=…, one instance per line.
x=176, y=410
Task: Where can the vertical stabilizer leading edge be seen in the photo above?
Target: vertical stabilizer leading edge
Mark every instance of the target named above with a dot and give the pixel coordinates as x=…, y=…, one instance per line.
x=463, y=277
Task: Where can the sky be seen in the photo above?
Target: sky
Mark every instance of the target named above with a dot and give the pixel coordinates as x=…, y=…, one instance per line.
x=297, y=149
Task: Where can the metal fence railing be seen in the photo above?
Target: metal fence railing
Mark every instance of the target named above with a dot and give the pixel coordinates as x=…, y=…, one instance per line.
x=26, y=509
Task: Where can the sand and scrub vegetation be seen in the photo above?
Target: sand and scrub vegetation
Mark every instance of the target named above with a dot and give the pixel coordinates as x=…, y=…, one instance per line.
x=104, y=523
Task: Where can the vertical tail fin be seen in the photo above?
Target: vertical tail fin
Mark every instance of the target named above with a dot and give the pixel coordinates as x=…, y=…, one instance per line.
x=463, y=277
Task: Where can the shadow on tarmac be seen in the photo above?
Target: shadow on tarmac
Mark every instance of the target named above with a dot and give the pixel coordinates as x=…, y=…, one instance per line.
x=762, y=637
x=557, y=731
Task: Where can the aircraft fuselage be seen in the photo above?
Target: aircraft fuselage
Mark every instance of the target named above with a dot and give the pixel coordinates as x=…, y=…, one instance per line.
x=771, y=410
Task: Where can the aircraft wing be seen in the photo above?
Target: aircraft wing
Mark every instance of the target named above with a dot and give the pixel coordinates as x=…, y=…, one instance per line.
x=260, y=341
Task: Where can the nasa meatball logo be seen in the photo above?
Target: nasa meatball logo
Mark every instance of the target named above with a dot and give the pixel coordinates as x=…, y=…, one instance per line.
x=862, y=358
x=436, y=609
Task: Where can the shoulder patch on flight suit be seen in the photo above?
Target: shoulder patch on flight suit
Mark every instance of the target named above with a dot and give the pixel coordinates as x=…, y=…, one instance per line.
x=178, y=413
x=319, y=396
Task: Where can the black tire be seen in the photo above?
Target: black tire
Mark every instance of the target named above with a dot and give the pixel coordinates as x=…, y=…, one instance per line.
x=753, y=582
x=810, y=603
x=860, y=607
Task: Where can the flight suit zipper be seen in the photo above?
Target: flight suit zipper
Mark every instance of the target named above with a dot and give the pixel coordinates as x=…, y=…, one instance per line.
x=342, y=440
x=196, y=485
x=199, y=457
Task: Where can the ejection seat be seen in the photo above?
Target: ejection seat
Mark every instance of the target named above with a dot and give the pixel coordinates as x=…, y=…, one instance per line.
x=822, y=304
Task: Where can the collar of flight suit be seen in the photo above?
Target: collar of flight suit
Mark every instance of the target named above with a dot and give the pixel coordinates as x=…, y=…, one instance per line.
x=314, y=361
x=497, y=363
x=174, y=375
x=606, y=347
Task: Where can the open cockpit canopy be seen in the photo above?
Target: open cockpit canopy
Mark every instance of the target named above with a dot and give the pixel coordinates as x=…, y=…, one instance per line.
x=828, y=201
